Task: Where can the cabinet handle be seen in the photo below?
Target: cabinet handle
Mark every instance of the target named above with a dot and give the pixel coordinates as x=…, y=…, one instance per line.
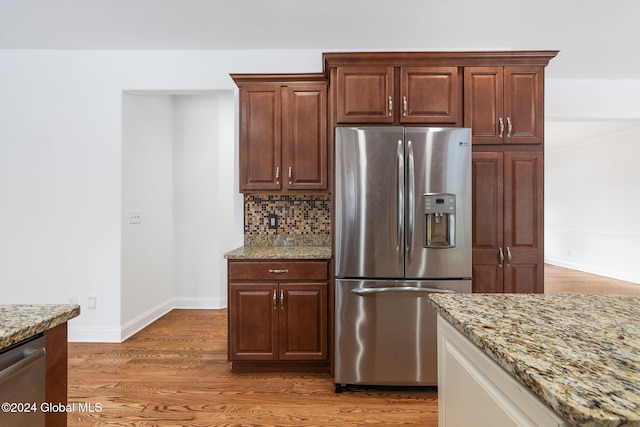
x=405, y=107
x=275, y=299
x=281, y=299
x=390, y=106
x=509, y=127
x=508, y=257
x=278, y=175
x=501, y=127
x=290, y=174
x=278, y=271
x=500, y=257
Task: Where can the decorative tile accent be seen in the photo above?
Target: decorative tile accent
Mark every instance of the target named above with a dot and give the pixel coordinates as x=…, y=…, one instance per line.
x=303, y=220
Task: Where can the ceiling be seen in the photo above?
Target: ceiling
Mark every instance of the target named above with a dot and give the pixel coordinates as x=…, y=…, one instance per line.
x=596, y=38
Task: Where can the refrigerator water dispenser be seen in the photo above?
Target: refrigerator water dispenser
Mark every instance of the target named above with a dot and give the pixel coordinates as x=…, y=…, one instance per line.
x=440, y=220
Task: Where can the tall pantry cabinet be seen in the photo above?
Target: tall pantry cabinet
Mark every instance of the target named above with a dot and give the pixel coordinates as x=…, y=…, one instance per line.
x=500, y=96
x=504, y=107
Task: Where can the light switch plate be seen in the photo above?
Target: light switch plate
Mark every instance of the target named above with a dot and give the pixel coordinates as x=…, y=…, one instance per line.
x=134, y=217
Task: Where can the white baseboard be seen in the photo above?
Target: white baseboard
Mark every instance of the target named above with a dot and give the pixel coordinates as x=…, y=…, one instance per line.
x=206, y=303
x=142, y=321
x=139, y=323
x=93, y=334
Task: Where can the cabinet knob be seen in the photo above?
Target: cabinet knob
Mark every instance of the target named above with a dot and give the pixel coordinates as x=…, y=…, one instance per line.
x=501, y=127
x=290, y=175
x=390, y=106
x=508, y=256
x=500, y=257
x=405, y=106
x=278, y=271
x=278, y=175
x=509, y=127
x=275, y=299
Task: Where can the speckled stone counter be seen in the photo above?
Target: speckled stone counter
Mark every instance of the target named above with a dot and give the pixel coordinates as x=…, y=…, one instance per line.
x=579, y=353
x=19, y=322
x=280, y=252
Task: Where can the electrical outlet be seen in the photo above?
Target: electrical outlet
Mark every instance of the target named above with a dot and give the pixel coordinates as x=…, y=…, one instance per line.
x=91, y=303
x=135, y=217
x=272, y=221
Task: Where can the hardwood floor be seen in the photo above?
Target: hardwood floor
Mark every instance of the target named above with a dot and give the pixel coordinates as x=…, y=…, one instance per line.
x=175, y=373
x=558, y=280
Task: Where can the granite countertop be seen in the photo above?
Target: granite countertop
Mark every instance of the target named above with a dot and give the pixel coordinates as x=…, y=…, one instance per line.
x=279, y=252
x=21, y=321
x=580, y=354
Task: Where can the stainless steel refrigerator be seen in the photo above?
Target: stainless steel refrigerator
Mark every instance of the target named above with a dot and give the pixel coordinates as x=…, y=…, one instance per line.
x=402, y=231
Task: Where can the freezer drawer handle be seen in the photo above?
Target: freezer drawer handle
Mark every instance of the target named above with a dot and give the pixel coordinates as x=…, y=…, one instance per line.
x=373, y=291
x=278, y=271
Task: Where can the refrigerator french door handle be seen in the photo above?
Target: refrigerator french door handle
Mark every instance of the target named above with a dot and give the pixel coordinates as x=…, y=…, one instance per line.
x=410, y=199
x=372, y=291
x=400, y=212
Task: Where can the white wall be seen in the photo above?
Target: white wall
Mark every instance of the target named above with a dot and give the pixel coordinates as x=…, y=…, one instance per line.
x=61, y=212
x=591, y=177
x=204, y=195
x=147, y=188
x=591, y=206
x=176, y=172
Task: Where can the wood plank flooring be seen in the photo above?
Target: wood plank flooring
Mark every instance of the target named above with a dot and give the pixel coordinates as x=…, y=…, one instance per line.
x=558, y=280
x=175, y=373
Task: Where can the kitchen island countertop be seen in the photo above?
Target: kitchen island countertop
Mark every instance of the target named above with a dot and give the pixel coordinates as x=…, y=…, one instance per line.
x=279, y=252
x=580, y=354
x=21, y=321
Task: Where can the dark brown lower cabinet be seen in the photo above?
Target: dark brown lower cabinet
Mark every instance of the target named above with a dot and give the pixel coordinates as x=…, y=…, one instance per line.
x=278, y=313
x=508, y=246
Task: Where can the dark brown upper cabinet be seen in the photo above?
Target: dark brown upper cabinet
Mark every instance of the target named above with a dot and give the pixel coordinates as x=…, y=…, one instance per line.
x=504, y=105
x=283, y=132
x=399, y=95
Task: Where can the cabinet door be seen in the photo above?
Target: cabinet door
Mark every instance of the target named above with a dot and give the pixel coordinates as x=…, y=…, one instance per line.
x=487, y=205
x=364, y=95
x=253, y=321
x=523, y=105
x=504, y=105
x=303, y=321
x=304, y=137
x=483, y=104
x=523, y=222
x=260, y=138
x=430, y=95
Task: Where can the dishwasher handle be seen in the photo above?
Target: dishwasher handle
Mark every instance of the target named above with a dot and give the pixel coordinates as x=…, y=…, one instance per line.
x=22, y=365
x=372, y=291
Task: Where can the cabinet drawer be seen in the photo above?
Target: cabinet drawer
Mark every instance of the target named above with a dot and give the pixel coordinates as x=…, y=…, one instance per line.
x=278, y=270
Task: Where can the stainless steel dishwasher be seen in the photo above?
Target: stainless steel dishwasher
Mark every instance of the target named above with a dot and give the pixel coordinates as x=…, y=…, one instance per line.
x=23, y=383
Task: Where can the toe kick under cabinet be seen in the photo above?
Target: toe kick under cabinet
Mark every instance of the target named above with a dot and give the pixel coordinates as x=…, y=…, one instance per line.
x=278, y=315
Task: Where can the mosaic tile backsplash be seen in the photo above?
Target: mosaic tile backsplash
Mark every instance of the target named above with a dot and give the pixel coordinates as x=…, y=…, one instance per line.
x=302, y=220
